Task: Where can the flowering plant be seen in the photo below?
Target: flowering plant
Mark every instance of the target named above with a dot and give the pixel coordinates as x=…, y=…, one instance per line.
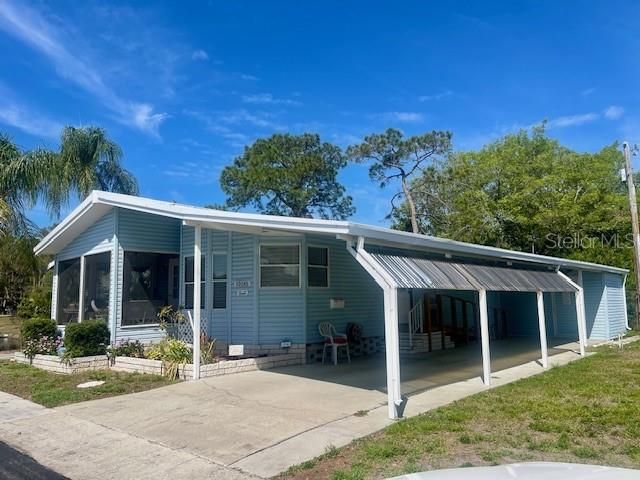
x=43, y=345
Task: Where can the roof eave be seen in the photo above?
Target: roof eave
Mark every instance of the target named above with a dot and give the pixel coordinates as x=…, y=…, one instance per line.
x=408, y=239
x=62, y=226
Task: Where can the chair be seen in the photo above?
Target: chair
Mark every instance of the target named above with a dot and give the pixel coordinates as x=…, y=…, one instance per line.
x=334, y=340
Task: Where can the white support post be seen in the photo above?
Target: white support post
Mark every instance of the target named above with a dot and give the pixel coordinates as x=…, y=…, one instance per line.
x=582, y=328
x=392, y=346
x=392, y=350
x=543, y=329
x=197, y=277
x=582, y=316
x=81, y=290
x=484, y=335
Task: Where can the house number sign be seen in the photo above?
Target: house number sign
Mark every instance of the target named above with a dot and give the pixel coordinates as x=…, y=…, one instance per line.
x=241, y=283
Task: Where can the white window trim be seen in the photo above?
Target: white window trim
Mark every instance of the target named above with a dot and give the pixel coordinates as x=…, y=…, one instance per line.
x=218, y=280
x=328, y=267
x=203, y=280
x=275, y=244
x=141, y=325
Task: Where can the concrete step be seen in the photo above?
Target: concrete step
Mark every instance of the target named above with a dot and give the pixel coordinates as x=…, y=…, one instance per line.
x=421, y=342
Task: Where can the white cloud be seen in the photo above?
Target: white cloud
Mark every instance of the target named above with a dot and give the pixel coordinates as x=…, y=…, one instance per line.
x=200, y=173
x=199, y=55
x=31, y=28
x=143, y=117
x=35, y=124
x=613, y=112
x=402, y=117
x=220, y=123
x=246, y=76
x=269, y=99
x=587, y=91
x=573, y=120
x=16, y=114
x=437, y=96
x=242, y=116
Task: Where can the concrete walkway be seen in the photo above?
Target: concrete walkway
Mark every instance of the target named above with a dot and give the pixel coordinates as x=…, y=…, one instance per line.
x=254, y=424
x=82, y=449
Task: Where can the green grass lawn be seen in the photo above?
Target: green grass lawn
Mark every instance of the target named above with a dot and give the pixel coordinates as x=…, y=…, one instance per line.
x=52, y=390
x=10, y=325
x=585, y=412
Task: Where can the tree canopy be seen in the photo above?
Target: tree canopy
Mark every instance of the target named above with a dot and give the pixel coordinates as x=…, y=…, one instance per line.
x=290, y=175
x=394, y=157
x=527, y=192
x=87, y=160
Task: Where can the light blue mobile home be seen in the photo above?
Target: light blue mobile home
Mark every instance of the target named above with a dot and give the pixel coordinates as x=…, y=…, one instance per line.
x=266, y=283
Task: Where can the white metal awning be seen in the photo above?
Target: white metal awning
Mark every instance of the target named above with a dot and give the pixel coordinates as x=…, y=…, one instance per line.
x=410, y=272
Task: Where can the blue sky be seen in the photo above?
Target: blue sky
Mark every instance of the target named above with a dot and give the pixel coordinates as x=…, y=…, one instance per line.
x=183, y=86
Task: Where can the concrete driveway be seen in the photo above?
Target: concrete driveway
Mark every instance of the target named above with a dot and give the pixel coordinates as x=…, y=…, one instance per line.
x=252, y=423
x=228, y=418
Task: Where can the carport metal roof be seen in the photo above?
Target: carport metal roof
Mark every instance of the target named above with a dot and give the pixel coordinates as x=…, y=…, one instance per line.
x=410, y=272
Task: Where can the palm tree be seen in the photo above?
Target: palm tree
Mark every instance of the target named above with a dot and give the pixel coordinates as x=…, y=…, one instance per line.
x=21, y=183
x=88, y=160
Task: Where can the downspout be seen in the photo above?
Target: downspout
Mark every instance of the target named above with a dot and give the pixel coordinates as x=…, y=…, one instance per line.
x=624, y=302
x=580, y=312
x=389, y=287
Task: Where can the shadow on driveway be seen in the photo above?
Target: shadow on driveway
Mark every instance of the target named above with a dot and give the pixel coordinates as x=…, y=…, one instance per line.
x=15, y=465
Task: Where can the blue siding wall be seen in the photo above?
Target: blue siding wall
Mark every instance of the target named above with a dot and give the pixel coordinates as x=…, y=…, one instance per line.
x=96, y=238
x=347, y=280
x=595, y=305
x=243, y=307
x=615, y=304
x=143, y=232
x=563, y=307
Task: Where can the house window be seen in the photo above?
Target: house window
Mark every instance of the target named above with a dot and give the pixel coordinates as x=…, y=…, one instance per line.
x=146, y=289
x=188, y=281
x=318, y=267
x=280, y=266
x=219, y=280
x=68, y=301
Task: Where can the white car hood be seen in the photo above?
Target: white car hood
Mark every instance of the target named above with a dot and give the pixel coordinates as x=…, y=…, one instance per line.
x=528, y=471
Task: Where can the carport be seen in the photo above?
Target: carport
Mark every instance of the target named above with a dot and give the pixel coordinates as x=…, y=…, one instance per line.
x=394, y=272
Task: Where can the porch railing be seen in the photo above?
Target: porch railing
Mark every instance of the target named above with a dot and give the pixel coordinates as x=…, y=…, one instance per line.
x=416, y=317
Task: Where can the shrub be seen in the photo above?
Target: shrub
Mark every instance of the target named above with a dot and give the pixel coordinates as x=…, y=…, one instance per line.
x=128, y=348
x=207, y=349
x=39, y=336
x=37, y=328
x=173, y=353
x=89, y=337
x=35, y=303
